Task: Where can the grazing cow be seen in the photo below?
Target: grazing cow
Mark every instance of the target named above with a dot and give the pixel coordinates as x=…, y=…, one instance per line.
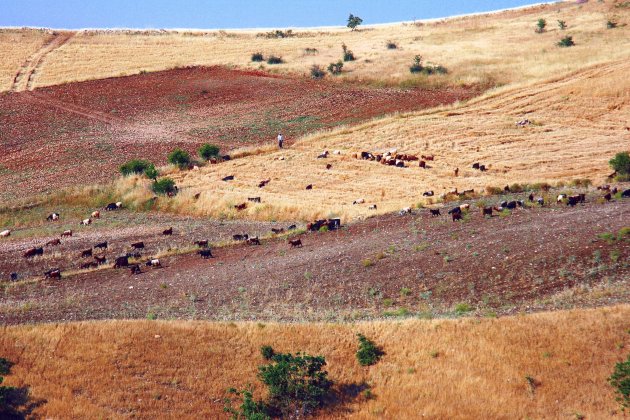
x=277, y=231
x=241, y=206
x=101, y=245
x=135, y=269
x=254, y=199
x=205, y=253
x=422, y=164
x=328, y=166
x=85, y=222
x=111, y=206
x=486, y=211
x=263, y=183
x=53, y=242
x=88, y=265
x=582, y=198
x=5, y=233
x=506, y=189
x=367, y=156
x=100, y=260
x=573, y=200
x=243, y=237
x=168, y=231
x=456, y=216
x=607, y=197
x=359, y=201
x=122, y=261
x=372, y=207
x=511, y=205
x=34, y=252
x=66, y=233
x=52, y=217
x=626, y=193
x=464, y=207
x=86, y=253
x=540, y=201
x=295, y=243
x=309, y=187
x=323, y=155
x=614, y=191
x=135, y=255
x=119, y=204
x=405, y=210
x=428, y=193
x=482, y=168
x=428, y=157
x=137, y=245
x=253, y=241
x=202, y=244
x=475, y=165
x=228, y=178
x=53, y=273
x=154, y=262
x=14, y=276
x=292, y=227
x=96, y=214
x=561, y=198
x=531, y=197
x=435, y=212
x=455, y=210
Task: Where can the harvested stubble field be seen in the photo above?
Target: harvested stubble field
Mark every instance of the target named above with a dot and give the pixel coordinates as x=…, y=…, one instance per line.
x=456, y=369
x=534, y=259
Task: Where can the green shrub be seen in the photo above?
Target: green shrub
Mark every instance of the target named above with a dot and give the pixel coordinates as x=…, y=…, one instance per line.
x=567, y=41
x=163, y=186
x=317, y=72
x=208, y=151
x=620, y=380
x=267, y=352
x=611, y=24
x=179, y=158
x=621, y=163
x=391, y=45
x=258, y=57
x=418, y=67
x=368, y=353
x=274, y=60
x=151, y=172
x=134, y=167
x=5, y=366
x=562, y=25
x=249, y=409
x=354, y=21
x=335, y=68
x=462, y=308
x=347, y=54
x=541, y=25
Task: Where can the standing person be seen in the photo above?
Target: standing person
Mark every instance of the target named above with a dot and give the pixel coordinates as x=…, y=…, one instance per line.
x=280, y=140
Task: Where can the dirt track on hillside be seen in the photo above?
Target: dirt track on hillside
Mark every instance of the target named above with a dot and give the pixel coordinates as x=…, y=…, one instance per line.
x=79, y=133
x=506, y=263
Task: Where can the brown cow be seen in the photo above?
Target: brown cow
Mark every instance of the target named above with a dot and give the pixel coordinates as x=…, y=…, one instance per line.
x=53, y=242
x=428, y=157
x=202, y=244
x=86, y=253
x=138, y=245
x=241, y=206
x=66, y=233
x=33, y=252
x=277, y=231
x=88, y=265
x=456, y=216
x=53, y=273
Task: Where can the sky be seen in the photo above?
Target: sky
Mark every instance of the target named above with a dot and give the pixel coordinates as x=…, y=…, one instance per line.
x=226, y=14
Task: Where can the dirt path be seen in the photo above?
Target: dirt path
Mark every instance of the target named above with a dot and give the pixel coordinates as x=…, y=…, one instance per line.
x=25, y=77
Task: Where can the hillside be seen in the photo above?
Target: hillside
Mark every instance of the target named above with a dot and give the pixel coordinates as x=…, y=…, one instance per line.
x=468, y=368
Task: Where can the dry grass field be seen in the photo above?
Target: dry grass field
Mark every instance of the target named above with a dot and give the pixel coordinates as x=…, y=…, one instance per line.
x=16, y=46
x=485, y=49
x=577, y=126
x=468, y=368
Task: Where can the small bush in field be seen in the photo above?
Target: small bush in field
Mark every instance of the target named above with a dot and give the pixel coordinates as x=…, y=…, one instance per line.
x=335, y=68
x=5, y=366
x=567, y=41
x=391, y=45
x=611, y=24
x=368, y=353
x=621, y=163
x=179, y=158
x=541, y=25
x=135, y=166
x=274, y=60
x=562, y=25
x=151, y=172
x=267, y=352
x=163, y=186
x=620, y=380
x=257, y=57
x=347, y=54
x=208, y=151
x=317, y=72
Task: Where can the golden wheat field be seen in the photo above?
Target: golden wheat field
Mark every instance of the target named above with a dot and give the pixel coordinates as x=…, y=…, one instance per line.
x=468, y=368
x=485, y=49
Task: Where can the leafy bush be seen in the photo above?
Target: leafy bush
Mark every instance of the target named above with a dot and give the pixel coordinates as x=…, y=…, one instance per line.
x=335, y=68
x=354, y=21
x=391, y=45
x=258, y=57
x=621, y=163
x=462, y=308
x=267, y=352
x=249, y=409
x=135, y=166
x=151, y=172
x=368, y=353
x=611, y=24
x=274, y=60
x=541, y=25
x=208, y=151
x=317, y=72
x=562, y=25
x=567, y=41
x=418, y=67
x=347, y=54
x=179, y=158
x=5, y=366
x=620, y=380
x=163, y=186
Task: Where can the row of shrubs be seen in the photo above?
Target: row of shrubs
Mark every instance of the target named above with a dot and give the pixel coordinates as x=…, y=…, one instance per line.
x=258, y=57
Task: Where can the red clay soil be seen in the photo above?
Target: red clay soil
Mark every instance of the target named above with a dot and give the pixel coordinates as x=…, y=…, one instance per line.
x=79, y=133
x=533, y=259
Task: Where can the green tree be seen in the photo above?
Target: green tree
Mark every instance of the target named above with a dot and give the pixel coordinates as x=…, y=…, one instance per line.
x=208, y=151
x=134, y=166
x=163, y=186
x=354, y=21
x=151, y=172
x=368, y=353
x=180, y=158
x=621, y=163
x=249, y=409
x=620, y=380
x=541, y=25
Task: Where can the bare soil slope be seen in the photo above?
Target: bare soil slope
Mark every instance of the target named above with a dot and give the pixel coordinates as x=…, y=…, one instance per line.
x=469, y=368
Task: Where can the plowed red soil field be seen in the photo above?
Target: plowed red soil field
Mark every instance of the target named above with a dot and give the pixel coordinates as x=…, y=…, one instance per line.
x=79, y=133
x=532, y=259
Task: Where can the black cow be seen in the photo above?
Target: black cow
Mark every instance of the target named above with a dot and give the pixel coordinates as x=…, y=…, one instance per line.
x=14, y=276
x=137, y=245
x=111, y=206
x=34, y=252
x=435, y=212
x=202, y=244
x=86, y=253
x=292, y=227
x=243, y=237
x=228, y=178
x=122, y=261
x=205, y=253
x=626, y=193
x=102, y=245
x=135, y=269
x=455, y=210
x=168, y=231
